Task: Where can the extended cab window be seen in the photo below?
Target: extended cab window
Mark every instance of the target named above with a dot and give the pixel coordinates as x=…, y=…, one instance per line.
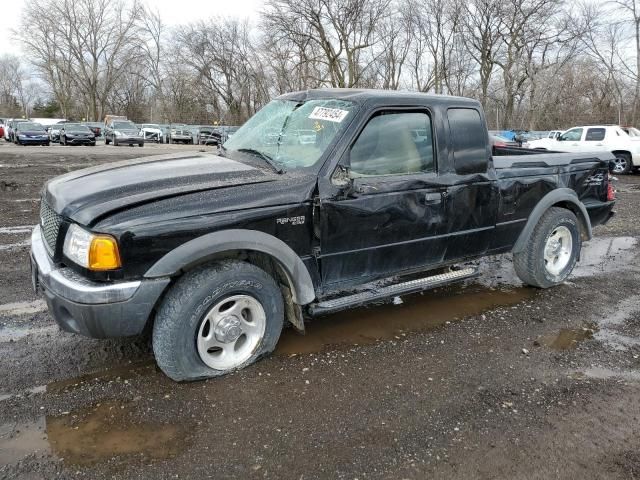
x=469, y=140
x=595, y=134
x=394, y=143
x=573, y=135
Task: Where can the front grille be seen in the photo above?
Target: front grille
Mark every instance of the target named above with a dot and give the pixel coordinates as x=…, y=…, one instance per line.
x=50, y=223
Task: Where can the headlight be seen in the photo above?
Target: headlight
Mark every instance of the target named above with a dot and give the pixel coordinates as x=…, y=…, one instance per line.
x=92, y=251
x=117, y=133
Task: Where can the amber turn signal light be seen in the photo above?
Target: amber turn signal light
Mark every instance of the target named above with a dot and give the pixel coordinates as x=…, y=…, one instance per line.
x=103, y=253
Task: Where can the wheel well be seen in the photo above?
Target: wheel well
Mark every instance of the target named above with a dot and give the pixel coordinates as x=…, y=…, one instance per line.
x=264, y=261
x=579, y=215
x=622, y=151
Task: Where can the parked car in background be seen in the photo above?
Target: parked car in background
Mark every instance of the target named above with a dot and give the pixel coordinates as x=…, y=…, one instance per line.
x=597, y=138
x=152, y=132
x=76, y=134
x=122, y=132
x=546, y=143
x=227, y=131
x=54, y=131
x=181, y=134
x=29, y=133
x=95, y=127
x=499, y=141
x=11, y=126
x=206, y=135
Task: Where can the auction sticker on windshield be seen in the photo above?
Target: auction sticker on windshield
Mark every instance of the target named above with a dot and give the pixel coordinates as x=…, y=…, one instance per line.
x=330, y=114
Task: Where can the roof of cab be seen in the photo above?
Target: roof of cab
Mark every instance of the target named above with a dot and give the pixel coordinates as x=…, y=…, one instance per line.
x=383, y=96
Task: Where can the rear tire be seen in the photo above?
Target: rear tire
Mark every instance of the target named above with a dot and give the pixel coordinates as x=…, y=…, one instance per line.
x=197, y=327
x=622, y=163
x=552, y=249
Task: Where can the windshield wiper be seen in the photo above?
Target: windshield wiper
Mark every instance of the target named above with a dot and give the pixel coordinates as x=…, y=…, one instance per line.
x=263, y=156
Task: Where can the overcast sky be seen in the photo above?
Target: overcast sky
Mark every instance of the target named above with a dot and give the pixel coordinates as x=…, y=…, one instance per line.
x=174, y=12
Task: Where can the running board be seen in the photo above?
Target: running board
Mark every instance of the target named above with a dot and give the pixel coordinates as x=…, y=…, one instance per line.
x=382, y=293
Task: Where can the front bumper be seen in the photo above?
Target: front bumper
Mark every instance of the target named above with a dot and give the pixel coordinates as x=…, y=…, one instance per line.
x=80, y=141
x=128, y=139
x=33, y=141
x=93, y=309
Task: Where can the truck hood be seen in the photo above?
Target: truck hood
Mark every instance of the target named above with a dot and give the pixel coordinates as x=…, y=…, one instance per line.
x=86, y=195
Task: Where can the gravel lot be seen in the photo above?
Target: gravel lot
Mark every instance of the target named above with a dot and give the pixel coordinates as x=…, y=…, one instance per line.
x=484, y=380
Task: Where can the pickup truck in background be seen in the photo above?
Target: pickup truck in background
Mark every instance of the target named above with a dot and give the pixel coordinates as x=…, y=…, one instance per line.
x=386, y=195
x=596, y=138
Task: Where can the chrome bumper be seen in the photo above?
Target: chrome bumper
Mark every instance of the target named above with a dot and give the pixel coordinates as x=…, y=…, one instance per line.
x=98, y=310
x=66, y=283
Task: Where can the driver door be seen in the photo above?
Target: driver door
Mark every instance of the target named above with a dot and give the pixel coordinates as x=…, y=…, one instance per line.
x=388, y=219
x=571, y=140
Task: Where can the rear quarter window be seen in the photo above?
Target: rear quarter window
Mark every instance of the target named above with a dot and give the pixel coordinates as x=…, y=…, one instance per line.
x=468, y=139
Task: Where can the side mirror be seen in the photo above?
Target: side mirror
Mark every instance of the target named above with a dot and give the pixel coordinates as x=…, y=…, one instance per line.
x=342, y=176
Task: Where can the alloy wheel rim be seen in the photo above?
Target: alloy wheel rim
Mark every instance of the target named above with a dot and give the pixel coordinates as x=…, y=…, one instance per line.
x=231, y=331
x=619, y=164
x=557, y=250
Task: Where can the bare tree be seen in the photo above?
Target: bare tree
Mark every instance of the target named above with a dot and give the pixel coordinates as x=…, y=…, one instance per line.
x=343, y=30
x=90, y=43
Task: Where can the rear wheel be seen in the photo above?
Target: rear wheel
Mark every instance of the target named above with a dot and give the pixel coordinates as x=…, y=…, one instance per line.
x=622, y=163
x=217, y=318
x=552, y=249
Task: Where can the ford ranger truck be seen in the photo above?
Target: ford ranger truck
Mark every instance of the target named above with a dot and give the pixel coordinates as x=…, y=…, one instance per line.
x=215, y=252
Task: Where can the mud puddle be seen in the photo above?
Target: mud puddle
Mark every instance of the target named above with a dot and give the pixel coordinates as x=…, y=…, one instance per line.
x=567, y=338
x=91, y=435
x=109, y=430
x=599, y=255
x=424, y=312
x=604, y=254
x=17, y=440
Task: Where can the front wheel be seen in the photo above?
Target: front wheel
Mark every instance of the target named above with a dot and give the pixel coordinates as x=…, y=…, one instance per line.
x=552, y=250
x=217, y=318
x=622, y=163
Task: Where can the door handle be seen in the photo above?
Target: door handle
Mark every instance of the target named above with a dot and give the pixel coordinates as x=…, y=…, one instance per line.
x=574, y=144
x=598, y=144
x=432, y=198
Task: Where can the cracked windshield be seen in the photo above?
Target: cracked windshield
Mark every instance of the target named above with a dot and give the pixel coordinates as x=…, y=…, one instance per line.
x=291, y=133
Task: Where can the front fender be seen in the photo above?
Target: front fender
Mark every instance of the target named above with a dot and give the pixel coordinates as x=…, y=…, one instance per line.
x=199, y=249
x=559, y=195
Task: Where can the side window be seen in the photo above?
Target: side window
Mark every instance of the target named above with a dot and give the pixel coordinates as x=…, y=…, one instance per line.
x=469, y=140
x=393, y=143
x=573, y=135
x=595, y=134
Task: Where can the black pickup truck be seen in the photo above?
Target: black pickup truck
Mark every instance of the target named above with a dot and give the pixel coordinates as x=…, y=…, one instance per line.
x=324, y=200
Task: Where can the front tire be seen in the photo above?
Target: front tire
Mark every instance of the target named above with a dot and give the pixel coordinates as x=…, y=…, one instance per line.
x=217, y=318
x=552, y=250
x=115, y=142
